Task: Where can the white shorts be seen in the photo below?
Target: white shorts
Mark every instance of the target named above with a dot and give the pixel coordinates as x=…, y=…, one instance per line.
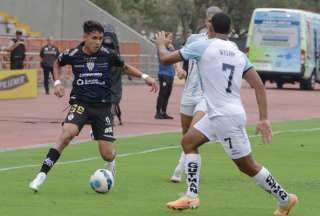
x=191, y=109
x=229, y=130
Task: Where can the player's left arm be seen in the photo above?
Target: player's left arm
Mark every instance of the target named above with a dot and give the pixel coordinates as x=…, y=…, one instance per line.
x=132, y=71
x=264, y=125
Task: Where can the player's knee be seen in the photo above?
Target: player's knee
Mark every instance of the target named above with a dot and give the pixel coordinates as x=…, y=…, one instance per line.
x=107, y=156
x=187, y=145
x=67, y=135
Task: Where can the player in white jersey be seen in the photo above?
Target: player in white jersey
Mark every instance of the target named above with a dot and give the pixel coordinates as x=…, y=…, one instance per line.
x=222, y=67
x=193, y=105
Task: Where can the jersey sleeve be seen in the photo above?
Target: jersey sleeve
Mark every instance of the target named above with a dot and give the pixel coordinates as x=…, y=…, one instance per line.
x=247, y=65
x=194, y=50
x=65, y=58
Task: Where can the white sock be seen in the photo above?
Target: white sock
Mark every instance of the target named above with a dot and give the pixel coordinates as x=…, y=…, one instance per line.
x=192, y=166
x=270, y=184
x=180, y=166
x=111, y=166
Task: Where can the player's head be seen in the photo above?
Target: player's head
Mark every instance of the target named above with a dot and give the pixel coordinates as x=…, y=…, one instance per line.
x=211, y=11
x=92, y=36
x=221, y=23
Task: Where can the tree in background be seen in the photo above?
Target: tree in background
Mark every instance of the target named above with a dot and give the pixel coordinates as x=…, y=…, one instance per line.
x=185, y=16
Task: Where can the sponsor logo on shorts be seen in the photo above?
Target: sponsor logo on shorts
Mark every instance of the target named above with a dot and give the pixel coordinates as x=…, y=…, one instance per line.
x=108, y=122
x=70, y=116
x=108, y=130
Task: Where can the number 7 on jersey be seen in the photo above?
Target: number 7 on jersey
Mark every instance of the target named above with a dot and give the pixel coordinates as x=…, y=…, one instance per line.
x=227, y=68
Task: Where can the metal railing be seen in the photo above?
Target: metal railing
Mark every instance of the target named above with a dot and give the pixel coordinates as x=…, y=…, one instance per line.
x=146, y=63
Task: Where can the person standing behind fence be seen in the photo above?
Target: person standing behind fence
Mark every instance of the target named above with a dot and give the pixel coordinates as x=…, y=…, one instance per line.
x=17, y=51
x=110, y=40
x=48, y=53
x=166, y=77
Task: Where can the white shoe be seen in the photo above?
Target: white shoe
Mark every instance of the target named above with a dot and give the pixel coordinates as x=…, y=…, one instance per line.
x=111, y=166
x=175, y=178
x=37, y=181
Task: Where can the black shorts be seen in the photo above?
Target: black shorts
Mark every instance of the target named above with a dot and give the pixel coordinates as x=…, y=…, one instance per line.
x=99, y=116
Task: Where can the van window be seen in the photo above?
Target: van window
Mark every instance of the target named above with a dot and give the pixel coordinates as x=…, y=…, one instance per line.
x=274, y=29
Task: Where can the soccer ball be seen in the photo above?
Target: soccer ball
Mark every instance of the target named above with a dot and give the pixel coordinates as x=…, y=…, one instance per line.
x=101, y=181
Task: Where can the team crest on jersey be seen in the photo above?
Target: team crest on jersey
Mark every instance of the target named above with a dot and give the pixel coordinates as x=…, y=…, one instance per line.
x=90, y=65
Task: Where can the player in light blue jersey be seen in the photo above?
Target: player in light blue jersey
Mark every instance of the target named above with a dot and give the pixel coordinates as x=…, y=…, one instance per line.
x=222, y=67
x=193, y=106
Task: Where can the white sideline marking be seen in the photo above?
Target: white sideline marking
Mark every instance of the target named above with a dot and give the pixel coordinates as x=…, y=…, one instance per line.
x=147, y=151
x=92, y=158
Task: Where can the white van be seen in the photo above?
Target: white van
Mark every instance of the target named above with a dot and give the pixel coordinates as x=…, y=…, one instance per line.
x=284, y=46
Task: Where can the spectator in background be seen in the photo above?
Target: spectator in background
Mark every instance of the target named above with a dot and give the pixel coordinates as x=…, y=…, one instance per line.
x=17, y=50
x=111, y=41
x=166, y=77
x=48, y=53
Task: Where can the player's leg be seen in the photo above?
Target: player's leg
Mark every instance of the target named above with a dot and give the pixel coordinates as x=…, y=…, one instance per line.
x=268, y=182
x=168, y=90
x=185, y=124
x=189, y=115
x=118, y=112
x=237, y=145
x=160, y=99
x=73, y=123
x=102, y=130
x=46, y=72
x=191, y=141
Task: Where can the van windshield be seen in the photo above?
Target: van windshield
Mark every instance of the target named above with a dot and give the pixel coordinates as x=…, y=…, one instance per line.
x=276, y=29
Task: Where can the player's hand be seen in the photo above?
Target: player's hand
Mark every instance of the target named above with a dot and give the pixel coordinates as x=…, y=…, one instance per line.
x=181, y=74
x=264, y=128
x=59, y=90
x=161, y=39
x=152, y=82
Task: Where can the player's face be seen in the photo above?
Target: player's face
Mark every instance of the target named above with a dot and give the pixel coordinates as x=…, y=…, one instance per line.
x=93, y=41
x=208, y=22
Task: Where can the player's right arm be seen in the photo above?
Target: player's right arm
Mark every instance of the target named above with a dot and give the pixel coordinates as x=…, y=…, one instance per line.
x=264, y=125
x=181, y=73
x=63, y=59
x=58, y=87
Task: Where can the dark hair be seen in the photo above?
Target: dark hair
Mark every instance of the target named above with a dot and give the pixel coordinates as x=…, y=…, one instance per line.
x=91, y=26
x=18, y=32
x=221, y=23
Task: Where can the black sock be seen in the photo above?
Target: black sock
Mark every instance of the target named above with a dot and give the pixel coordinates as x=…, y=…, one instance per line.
x=52, y=157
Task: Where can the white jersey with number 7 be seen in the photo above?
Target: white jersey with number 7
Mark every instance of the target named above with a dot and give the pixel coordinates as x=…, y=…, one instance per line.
x=221, y=66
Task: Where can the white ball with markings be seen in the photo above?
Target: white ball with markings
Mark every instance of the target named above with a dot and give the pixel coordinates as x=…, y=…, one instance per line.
x=101, y=181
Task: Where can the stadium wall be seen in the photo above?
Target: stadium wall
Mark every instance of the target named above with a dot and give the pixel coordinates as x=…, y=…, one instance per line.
x=63, y=19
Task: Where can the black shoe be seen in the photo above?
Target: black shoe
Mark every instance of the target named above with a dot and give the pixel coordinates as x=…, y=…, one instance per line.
x=159, y=116
x=166, y=116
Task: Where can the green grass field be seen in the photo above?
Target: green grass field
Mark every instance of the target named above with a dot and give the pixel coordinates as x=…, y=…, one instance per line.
x=142, y=184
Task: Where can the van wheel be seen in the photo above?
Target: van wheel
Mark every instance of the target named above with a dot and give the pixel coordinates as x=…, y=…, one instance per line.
x=279, y=84
x=310, y=83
